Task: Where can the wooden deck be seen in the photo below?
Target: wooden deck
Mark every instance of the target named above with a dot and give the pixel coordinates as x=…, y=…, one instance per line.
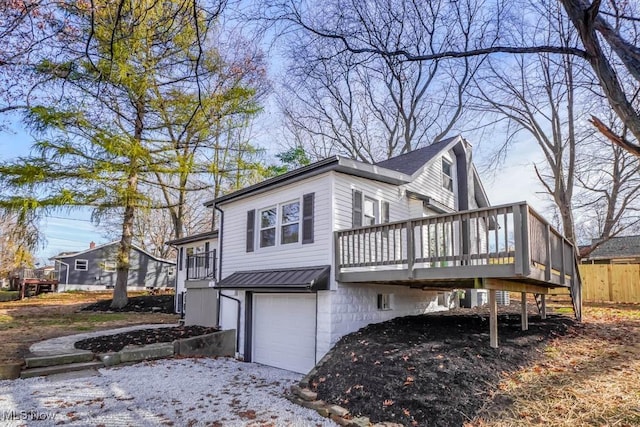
x=508, y=247
x=29, y=282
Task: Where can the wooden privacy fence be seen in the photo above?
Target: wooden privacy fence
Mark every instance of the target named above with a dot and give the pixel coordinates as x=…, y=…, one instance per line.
x=611, y=282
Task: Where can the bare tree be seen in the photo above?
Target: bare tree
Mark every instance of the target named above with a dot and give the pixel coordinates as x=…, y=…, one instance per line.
x=371, y=107
x=607, y=31
x=548, y=98
x=536, y=94
x=610, y=201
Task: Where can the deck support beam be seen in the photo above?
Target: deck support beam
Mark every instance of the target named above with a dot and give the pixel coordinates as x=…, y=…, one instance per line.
x=543, y=306
x=493, y=318
x=523, y=313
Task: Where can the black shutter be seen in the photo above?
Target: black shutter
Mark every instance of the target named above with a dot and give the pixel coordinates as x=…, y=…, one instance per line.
x=206, y=255
x=180, y=258
x=251, y=225
x=307, y=218
x=356, y=218
x=385, y=212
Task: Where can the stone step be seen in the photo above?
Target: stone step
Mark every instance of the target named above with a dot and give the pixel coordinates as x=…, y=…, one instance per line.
x=58, y=359
x=58, y=369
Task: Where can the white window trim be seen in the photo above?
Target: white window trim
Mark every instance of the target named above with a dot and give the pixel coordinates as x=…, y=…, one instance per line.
x=86, y=265
x=278, y=225
x=110, y=266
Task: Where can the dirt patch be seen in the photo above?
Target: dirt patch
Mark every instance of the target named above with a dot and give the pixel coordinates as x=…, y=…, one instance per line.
x=30, y=320
x=435, y=370
x=110, y=343
x=139, y=304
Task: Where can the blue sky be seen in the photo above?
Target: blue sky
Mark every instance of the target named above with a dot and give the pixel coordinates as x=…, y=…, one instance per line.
x=64, y=231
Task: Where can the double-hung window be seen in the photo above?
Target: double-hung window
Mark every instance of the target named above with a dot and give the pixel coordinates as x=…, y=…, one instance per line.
x=268, y=223
x=370, y=211
x=82, y=264
x=447, y=175
x=290, y=223
x=110, y=266
x=280, y=224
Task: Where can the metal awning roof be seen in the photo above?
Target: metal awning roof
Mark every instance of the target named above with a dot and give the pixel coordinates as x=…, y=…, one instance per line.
x=282, y=279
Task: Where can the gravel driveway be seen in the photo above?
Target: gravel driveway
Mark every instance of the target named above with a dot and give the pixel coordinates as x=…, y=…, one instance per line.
x=180, y=392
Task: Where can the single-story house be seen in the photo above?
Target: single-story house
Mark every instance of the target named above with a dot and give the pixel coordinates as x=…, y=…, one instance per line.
x=616, y=250
x=321, y=251
x=95, y=269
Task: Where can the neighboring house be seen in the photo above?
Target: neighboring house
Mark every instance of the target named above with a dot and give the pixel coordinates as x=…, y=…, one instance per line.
x=196, y=259
x=616, y=250
x=321, y=251
x=95, y=269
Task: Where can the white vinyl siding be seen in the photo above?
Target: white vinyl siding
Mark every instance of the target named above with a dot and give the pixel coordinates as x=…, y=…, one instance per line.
x=380, y=191
x=236, y=258
x=429, y=181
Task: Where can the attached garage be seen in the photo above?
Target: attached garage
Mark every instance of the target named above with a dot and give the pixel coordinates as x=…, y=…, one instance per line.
x=280, y=314
x=284, y=331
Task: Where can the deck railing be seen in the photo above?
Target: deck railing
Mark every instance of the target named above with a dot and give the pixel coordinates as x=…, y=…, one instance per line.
x=201, y=266
x=484, y=242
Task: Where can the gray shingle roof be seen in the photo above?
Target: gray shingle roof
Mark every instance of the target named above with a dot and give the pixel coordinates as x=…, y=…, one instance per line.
x=617, y=247
x=410, y=162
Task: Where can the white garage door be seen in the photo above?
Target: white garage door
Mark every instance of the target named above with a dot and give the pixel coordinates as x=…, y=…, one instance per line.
x=284, y=328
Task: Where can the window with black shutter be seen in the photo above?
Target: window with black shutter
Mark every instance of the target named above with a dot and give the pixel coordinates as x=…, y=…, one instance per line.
x=307, y=218
x=357, y=208
x=251, y=224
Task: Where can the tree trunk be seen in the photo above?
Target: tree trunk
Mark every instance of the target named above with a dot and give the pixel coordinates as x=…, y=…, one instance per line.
x=120, y=298
x=584, y=16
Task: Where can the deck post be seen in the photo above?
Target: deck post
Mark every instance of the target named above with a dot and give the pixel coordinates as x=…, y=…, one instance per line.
x=523, y=313
x=337, y=256
x=411, y=253
x=543, y=306
x=493, y=318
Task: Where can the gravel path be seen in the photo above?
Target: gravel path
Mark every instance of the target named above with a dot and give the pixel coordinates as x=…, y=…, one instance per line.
x=181, y=392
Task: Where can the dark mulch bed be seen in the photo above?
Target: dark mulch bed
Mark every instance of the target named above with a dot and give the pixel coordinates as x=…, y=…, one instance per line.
x=429, y=370
x=144, y=303
x=109, y=343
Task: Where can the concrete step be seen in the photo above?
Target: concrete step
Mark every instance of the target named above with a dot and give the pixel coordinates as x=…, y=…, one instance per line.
x=58, y=359
x=58, y=369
